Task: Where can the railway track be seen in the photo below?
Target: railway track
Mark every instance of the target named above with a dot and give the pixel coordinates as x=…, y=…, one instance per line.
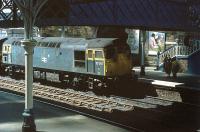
x=69, y=96
x=146, y=110
x=88, y=99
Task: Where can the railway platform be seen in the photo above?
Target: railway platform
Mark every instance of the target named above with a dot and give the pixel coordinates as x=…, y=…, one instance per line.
x=47, y=118
x=160, y=78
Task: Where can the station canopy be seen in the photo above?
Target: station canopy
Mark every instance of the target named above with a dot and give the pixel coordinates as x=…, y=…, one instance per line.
x=148, y=14
x=182, y=15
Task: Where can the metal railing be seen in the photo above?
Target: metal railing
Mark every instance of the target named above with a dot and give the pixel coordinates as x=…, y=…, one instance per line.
x=178, y=51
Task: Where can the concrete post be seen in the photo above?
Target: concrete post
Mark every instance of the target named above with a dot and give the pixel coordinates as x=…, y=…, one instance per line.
x=28, y=124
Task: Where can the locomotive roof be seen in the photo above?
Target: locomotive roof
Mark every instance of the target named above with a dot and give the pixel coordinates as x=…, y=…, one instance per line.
x=11, y=39
x=59, y=42
x=100, y=42
x=90, y=43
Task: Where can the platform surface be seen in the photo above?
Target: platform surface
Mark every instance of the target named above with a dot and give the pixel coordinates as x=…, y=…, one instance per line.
x=157, y=77
x=47, y=118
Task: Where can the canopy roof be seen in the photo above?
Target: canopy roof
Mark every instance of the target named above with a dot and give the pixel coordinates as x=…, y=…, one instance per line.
x=146, y=14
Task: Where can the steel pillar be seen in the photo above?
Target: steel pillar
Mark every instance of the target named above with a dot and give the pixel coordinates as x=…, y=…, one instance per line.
x=28, y=124
x=158, y=61
x=63, y=31
x=142, y=43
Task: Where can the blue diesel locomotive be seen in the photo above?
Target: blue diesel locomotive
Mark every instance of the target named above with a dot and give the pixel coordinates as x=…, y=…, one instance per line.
x=74, y=61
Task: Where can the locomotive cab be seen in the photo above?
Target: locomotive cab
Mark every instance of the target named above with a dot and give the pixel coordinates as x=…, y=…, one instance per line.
x=6, y=53
x=118, y=59
x=109, y=57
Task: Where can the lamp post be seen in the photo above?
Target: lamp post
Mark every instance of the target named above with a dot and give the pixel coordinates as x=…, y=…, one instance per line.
x=29, y=10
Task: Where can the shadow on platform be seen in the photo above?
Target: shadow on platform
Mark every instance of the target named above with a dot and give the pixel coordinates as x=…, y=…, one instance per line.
x=12, y=112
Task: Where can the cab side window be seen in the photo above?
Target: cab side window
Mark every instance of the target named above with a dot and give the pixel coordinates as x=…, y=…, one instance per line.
x=79, y=59
x=5, y=58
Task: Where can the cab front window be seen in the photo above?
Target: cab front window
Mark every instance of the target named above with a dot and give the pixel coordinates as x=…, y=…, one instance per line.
x=98, y=54
x=7, y=48
x=90, y=54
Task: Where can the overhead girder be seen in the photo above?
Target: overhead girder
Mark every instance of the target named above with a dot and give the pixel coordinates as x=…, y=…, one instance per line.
x=84, y=1
x=10, y=15
x=1, y=3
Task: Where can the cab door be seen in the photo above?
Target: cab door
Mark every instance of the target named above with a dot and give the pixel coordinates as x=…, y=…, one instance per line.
x=90, y=61
x=99, y=62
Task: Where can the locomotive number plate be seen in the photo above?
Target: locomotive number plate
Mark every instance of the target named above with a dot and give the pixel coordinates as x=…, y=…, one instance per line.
x=99, y=63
